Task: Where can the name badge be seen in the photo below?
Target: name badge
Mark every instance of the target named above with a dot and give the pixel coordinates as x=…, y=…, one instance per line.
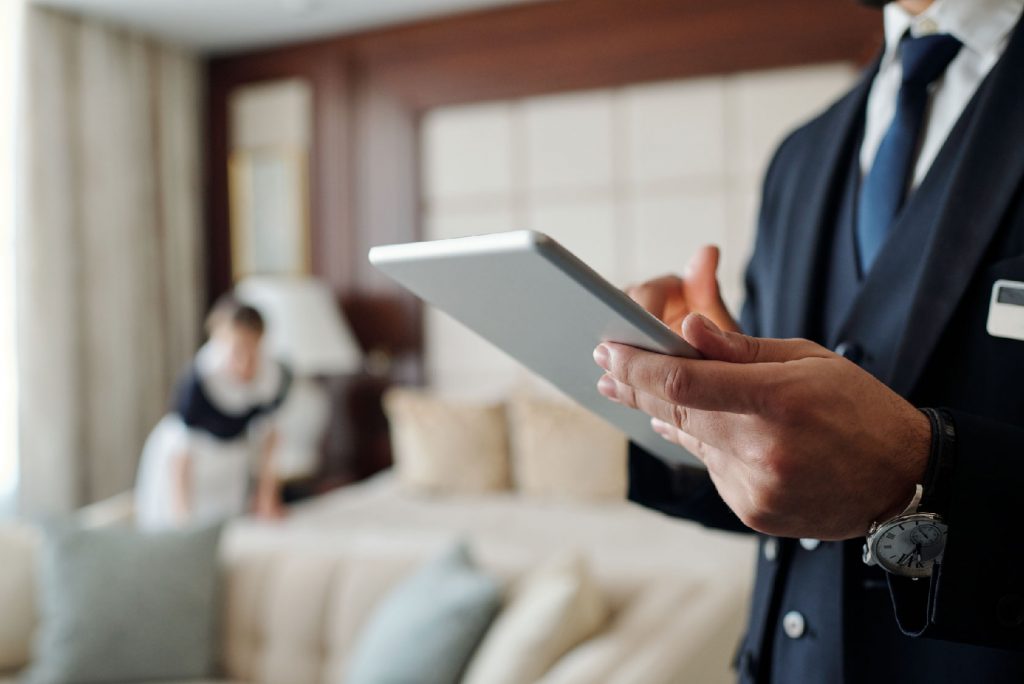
x=1006, y=310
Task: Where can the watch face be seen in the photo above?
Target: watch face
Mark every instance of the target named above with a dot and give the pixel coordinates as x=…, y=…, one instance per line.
x=910, y=546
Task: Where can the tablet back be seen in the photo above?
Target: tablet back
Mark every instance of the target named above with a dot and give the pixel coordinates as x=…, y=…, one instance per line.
x=533, y=299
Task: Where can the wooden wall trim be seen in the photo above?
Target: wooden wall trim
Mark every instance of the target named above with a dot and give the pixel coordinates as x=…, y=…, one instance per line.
x=578, y=44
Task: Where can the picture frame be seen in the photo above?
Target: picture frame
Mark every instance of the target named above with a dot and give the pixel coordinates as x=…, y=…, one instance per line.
x=269, y=212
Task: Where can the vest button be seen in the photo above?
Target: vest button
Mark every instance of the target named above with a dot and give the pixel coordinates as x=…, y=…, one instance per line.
x=793, y=624
x=770, y=549
x=850, y=351
x=810, y=544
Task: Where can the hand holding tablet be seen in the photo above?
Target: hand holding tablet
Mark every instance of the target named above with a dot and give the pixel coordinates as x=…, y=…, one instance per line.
x=536, y=301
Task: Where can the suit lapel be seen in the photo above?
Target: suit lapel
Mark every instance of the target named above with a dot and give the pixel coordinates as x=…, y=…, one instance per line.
x=987, y=174
x=811, y=220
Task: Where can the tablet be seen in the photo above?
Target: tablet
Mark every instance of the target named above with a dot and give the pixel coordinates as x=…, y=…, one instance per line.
x=532, y=298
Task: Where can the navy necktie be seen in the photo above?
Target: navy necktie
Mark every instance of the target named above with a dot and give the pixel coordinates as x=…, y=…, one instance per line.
x=884, y=189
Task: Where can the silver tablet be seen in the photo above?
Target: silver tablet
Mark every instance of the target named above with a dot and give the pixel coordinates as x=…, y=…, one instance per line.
x=535, y=300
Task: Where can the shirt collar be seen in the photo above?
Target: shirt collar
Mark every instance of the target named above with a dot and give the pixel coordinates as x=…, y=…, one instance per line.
x=981, y=25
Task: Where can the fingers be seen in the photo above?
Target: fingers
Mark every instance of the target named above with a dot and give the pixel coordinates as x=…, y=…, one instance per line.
x=702, y=289
x=701, y=277
x=670, y=433
x=659, y=409
x=734, y=347
x=706, y=385
x=657, y=296
x=711, y=428
x=670, y=298
x=721, y=466
x=702, y=260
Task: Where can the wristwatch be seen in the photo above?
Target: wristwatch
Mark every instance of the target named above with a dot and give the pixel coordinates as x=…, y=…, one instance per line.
x=909, y=545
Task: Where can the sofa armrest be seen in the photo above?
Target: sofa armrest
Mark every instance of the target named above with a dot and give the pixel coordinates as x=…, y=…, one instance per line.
x=18, y=618
x=117, y=510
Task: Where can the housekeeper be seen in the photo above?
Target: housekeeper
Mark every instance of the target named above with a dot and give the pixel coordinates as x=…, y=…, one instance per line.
x=211, y=458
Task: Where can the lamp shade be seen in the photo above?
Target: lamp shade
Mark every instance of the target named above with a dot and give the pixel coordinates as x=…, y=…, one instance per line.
x=305, y=327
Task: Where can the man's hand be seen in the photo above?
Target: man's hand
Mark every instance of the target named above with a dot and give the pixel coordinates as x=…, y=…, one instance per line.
x=798, y=441
x=671, y=298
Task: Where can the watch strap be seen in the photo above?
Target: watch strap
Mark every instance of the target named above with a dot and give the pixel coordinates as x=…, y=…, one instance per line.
x=939, y=471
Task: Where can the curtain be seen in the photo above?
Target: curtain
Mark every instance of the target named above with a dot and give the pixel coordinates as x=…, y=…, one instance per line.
x=108, y=285
x=11, y=15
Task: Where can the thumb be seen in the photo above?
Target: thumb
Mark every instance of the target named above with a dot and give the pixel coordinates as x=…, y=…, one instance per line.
x=713, y=343
x=703, y=264
x=703, y=292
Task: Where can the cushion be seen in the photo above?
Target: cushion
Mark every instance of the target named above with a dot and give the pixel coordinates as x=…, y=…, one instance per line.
x=118, y=605
x=560, y=450
x=428, y=626
x=17, y=595
x=553, y=609
x=443, y=446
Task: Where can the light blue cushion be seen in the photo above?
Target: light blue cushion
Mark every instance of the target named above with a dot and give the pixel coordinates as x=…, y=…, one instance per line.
x=426, y=629
x=120, y=605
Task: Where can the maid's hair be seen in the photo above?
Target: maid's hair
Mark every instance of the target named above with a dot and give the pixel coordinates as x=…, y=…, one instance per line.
x=227, y=309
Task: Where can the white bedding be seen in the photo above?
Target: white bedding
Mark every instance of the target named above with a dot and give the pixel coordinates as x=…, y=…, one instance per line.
x=619, y=535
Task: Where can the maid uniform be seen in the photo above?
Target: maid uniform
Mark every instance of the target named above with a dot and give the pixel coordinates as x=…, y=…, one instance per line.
x=222, y=425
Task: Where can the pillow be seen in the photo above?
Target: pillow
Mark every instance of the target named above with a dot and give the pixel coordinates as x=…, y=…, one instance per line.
x=17, y=595
x=426, y=628
x=120, y=605
x=560, y=450
x=443, y=446
x=554, y=608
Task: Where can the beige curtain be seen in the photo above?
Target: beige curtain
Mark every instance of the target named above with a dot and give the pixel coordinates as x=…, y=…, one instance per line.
x=109, y=271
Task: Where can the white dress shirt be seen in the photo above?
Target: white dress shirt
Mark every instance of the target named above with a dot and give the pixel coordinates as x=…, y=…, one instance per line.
x=983, y=26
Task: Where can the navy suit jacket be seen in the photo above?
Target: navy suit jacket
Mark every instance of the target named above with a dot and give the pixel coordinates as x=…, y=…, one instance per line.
x=967, y=623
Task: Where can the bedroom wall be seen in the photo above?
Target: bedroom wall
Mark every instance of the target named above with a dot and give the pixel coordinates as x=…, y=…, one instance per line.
x=632, y=179
x=375, y=95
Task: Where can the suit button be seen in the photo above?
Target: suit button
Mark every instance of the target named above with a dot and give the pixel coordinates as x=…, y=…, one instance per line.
x=1010, y=610
x=770, y=549
x=810, y=544
x=793, y=624
x=851, y=351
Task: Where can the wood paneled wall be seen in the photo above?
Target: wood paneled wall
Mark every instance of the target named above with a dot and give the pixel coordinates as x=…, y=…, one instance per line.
x=370, y=88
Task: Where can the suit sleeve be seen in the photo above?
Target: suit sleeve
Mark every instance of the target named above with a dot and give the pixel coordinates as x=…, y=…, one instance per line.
x=976, y=595
x=678, y=491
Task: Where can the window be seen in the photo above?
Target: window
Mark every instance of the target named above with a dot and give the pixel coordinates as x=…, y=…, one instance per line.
x=11, y=16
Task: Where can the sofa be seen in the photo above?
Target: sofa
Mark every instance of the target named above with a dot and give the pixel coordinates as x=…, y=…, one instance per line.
x=298, y=592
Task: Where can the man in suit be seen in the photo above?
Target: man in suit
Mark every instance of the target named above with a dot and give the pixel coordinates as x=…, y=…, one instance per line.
x=880, y=456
